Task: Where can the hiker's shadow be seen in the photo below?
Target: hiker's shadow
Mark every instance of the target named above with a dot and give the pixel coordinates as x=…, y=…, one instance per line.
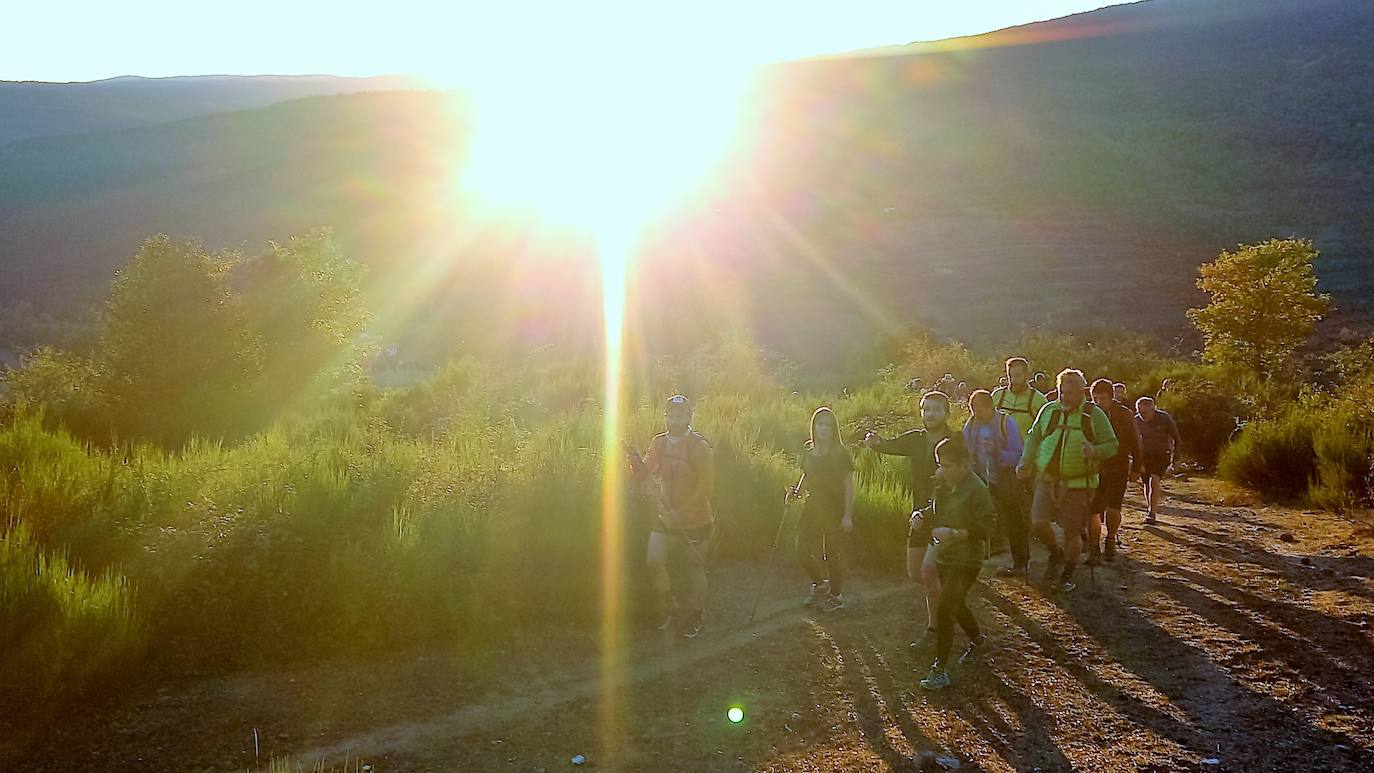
x=1239, y=551
x=1322, y=648
x=878, y=688
x=884, y=692
x=1175, y=669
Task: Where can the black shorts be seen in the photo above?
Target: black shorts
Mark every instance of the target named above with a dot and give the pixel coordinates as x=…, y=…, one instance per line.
x=1111, y=490
x=1156, y=462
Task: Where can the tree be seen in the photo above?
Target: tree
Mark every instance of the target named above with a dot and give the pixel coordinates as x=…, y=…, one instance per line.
x=174, y=344
x=1263, y=305
x=305, y=312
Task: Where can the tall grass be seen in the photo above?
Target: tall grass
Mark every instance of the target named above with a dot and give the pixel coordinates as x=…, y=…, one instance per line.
x=465, y=509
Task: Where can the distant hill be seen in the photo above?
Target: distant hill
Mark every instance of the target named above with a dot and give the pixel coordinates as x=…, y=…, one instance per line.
x=38, y=109
x=1071, y=172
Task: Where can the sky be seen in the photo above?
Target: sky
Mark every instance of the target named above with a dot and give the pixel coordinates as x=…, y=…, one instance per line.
x=157, y=38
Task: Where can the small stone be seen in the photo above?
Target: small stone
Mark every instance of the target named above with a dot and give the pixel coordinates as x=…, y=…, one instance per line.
x=1287, y=537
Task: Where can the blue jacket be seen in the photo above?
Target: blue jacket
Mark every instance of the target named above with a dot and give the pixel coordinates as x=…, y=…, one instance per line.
x=1006, y=444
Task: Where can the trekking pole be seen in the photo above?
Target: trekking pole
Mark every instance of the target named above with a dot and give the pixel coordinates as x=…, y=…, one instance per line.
x=772, y=553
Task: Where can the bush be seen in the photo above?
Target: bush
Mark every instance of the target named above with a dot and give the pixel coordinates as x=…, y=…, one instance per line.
x=61, y=629
x=1275, y=457
x=1204, y=404
x=1345, y=463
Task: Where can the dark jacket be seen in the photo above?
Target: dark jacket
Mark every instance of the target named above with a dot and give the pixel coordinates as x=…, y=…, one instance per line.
x=918, y=445
x=965, y=506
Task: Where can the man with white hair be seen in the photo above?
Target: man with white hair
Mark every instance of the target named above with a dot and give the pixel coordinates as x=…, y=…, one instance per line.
x=1067, y=442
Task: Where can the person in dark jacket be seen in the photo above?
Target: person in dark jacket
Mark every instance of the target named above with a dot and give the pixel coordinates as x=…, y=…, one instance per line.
x=1159, y=441
x=828, y=517
x=960, y=520
x=919, y=446
x=1113, y=473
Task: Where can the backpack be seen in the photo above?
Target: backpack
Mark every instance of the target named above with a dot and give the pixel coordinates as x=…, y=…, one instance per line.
x=1085, y=422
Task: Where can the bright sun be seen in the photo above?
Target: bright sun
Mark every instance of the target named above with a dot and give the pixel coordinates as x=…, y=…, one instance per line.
x=599, y=142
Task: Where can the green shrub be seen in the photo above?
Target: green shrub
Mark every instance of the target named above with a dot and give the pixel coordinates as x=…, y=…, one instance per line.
x=1204, y=404
x=1345, y=463
x=1275, y=457
x=61, y=629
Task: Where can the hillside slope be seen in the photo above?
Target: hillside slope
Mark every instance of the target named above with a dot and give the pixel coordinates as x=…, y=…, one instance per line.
x=38, y=109
x=1072, y=172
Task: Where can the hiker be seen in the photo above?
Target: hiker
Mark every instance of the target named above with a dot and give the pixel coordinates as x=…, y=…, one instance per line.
x=1040, y=382
x=1119, y=392
x=828, y=516
x=681, y=461
x=1069, y=438
x=919, y=446
x=1019, y=400
x=1022, y=401
x=961, y=393
x=1115, y=470
x=959, y=520
x=1159, y=441
x=1003, y=382
x=994, y=441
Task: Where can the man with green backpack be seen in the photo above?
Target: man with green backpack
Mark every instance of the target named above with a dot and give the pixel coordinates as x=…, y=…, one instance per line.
x=1068, y=440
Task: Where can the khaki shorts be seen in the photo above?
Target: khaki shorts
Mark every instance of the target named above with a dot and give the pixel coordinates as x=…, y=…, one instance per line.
x=1055, y=501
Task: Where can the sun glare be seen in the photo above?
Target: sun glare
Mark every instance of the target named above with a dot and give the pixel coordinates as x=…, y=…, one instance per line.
x=605, y=143
x=601, y=146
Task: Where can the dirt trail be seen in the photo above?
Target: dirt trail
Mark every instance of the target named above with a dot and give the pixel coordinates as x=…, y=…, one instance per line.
x=1229, y=632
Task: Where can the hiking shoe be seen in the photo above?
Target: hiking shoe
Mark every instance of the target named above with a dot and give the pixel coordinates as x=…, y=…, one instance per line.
x=1150, y=518
x=692, y=625
x=1094, y=556
x=937, y=680
x=975, y=649
x=831, y=603
x=1011, y=571
x=1110, y=554
x=1065, y=582
x=819, y=590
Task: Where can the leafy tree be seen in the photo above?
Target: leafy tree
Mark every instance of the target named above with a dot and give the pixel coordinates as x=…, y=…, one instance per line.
x=1263, y=305
x=304, y=311
x=174, y=344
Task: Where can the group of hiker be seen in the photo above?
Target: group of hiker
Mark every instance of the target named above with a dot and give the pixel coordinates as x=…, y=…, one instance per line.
x=1023, y=462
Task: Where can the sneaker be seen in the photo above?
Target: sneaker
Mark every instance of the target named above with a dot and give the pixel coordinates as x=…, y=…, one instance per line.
x=975, y=649
x=1065, y=582
x=819, y=590
x=832, y=603
x=937, y=680
x=692, y=625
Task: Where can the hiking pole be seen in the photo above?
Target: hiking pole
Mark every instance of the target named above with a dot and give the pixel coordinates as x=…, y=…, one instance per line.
x=772, y=552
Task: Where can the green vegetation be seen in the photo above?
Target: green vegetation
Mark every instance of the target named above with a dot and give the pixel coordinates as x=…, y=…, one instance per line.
x=226, y=525
x=1263, y=306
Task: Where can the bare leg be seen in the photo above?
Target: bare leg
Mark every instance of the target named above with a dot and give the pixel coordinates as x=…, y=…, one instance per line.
x=1095, y=532
x=1113, y=525
x=1156, y=486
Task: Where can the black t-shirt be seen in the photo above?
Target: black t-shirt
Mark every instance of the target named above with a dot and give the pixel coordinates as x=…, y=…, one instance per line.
x=825, y=479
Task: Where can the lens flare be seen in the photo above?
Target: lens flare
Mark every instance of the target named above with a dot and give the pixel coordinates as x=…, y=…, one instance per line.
x=600, y=144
